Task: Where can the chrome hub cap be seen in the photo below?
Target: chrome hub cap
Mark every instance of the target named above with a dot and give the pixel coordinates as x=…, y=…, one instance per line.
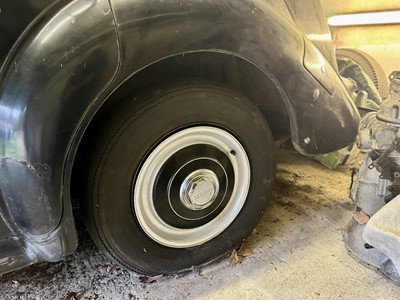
x=199, y=189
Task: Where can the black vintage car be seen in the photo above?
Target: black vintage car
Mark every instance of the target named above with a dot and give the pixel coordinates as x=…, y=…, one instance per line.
x=161, y=118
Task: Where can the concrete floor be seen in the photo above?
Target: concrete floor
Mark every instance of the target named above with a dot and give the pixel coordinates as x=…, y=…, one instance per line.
x=297, y=254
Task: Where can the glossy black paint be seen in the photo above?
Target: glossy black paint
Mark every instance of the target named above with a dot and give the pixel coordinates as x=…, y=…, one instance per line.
x=252, y=31
x=63, y=61
x=15, y=16
x=74, y=55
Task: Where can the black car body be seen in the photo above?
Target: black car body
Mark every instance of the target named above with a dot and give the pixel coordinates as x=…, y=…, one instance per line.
x=63, y=61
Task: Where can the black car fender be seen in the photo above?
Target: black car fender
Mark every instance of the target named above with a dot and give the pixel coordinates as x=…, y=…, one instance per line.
x=57, y=69
x=77, y=54
x=253, y=31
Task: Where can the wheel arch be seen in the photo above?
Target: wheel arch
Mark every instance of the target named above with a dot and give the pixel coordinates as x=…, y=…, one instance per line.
x=229, y=70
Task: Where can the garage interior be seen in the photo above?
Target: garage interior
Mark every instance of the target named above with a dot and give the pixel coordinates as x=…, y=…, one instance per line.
x=297, y=250
x=379, y=41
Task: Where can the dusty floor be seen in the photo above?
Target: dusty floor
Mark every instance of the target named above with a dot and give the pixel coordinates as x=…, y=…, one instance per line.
x=297, y=253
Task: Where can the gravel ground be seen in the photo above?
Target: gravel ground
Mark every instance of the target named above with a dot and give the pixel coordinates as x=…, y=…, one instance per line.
x=296, y=252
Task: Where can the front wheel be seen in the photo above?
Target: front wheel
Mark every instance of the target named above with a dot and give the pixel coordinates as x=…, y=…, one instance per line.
x=178, y=178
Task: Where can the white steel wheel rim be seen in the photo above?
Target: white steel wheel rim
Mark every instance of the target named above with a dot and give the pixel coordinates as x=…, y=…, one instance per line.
x=144, y=209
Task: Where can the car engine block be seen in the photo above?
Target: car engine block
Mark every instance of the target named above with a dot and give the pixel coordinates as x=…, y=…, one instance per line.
x=373, y=235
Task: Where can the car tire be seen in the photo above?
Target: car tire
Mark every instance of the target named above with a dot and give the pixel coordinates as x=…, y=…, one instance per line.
x=370, y=66
x=178, y=178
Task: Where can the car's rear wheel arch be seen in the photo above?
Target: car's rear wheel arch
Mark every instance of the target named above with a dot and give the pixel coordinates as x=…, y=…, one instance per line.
x=233, y=72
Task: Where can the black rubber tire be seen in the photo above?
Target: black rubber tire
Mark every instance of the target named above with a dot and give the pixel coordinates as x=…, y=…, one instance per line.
x=370, y=66
x=125, y=139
